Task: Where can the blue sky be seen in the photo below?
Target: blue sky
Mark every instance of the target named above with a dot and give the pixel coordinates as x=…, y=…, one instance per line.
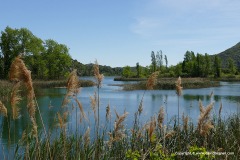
x=124, y=32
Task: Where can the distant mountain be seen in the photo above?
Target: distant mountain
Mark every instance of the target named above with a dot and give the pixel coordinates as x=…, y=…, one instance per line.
x=233, y=52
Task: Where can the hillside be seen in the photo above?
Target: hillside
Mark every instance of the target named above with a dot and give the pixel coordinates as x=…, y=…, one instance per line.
x=233, y=52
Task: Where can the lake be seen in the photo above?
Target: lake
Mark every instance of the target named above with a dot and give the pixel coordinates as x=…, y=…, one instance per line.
x=50, y=101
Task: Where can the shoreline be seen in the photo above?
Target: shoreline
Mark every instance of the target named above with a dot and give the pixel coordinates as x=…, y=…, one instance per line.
x=169, y=84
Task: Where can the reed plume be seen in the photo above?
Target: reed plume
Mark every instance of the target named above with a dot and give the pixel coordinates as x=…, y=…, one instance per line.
x=72, y=87
x=152, y=80
x=179, y=93
x=151, y=126
x=178, y=86
x=93, y=101
x=3, y=109
x=15, y=100
x=19, y=72
x=204, y=123
x=118, y=132
x=83, y=115
x=160, y=117
x=99, y=77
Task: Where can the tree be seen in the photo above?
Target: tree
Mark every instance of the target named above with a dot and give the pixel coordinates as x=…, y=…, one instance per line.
x=188, y=65
x=58, y=60
x=138, y=69
x=207, y=69
x=178, y=69
x=217, y=66
x=166, y=61
x=126, y=72
x=231, y=66
x=9, y=48
x=159, y=60
x=154, y=62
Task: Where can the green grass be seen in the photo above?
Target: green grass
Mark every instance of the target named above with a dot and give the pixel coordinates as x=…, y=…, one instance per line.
x=169, y=83
x=223, y=138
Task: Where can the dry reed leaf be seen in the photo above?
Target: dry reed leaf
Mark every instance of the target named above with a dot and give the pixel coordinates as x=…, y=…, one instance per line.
x=108, y=114
x=93, y=101
x=86, y=137
x=185, y=122
x=152, y=80
x=220, y=109
x=3, y=109
x=140, y=107
x=15, y=100
x=34, y=128
x=83, y=115
x=61, y=121
x=169, y=134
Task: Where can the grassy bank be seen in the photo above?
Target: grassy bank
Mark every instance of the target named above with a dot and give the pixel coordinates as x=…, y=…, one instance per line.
x=169, y=83
x=6, y=86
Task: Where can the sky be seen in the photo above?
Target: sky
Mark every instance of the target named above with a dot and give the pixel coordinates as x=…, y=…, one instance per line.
x=123, y=32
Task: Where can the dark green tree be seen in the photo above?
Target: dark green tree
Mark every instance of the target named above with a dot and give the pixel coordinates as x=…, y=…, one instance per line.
x=126, y=72
x=58, y=60
x=231, y=66
x=138, y=69
x=166, y=61
x=217, y=66
x=154, y=62
x=159, y=60
x=207, y=69
x=10, y=48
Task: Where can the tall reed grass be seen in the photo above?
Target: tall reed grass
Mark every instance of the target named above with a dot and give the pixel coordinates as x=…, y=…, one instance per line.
x=152, y=140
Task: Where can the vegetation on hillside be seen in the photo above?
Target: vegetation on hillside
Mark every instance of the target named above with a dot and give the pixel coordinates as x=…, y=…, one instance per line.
x=233, y=53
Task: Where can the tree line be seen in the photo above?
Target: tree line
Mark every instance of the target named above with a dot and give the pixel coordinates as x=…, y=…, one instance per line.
x=46, y=59
x=193, y=65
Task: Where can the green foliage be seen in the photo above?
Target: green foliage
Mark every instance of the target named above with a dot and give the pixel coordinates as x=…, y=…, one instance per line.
x=154, y=62
x=217, y=67
x=201, y=153
x=126, y=72
x=46, y=60
x=133, y=155
x=231, y=66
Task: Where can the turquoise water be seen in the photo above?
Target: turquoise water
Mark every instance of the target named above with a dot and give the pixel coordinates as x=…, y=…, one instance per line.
x=51, y=99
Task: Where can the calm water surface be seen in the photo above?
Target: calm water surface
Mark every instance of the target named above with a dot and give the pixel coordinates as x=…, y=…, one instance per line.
x=50, y=102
